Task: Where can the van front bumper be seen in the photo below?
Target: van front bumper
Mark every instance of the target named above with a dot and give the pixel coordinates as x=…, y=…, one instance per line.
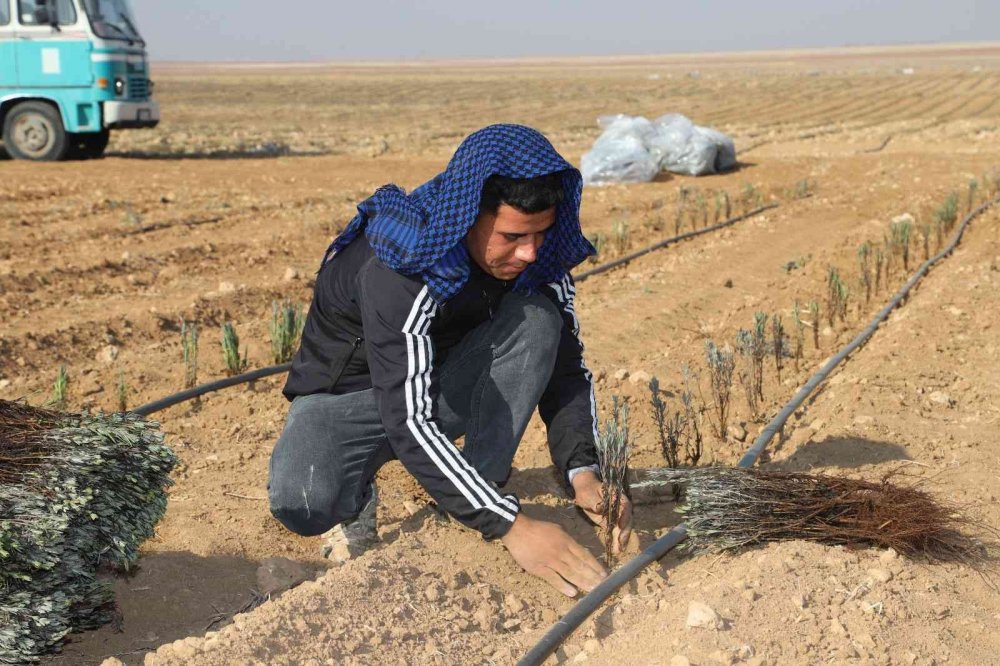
x=129, y=115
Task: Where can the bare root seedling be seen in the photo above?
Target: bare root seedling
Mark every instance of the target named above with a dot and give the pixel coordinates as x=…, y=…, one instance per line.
x=865, y=264
x=720, y=368
x=60, y=389
x=814, y=315
x=189, y=349
x=778, y=343
x=613, y=444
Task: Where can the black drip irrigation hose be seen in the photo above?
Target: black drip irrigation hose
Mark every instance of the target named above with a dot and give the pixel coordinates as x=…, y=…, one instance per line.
x=191, y=393
x=225, y=382
x=592, y=601
x=669, y=241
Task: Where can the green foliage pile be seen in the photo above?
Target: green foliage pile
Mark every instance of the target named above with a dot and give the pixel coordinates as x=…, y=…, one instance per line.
x=79, y=493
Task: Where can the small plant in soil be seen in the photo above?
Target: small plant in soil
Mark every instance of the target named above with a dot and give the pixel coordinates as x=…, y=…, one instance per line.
x=836, y=297
x=613, y=444
x=814, y=316
x=720, y=370
x=189, y=350
x=121, y=392
x=60, y=389
x=801, y=189
x=865, y=264
x=286, y=326
x=669, y=446
x=779, y=345
x=879, y=262
x=751, y=198
x=598, y=241
x=971, y=198
x=701, y=208
x=899, y=234
x=800, y=334
x=682, y=199
x=925, y=237
x=947, y=212
x=694, y=444
x=620, y=235
x=231, y=351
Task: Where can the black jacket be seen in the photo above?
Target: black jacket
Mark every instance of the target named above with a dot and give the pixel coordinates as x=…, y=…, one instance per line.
x=370, y=326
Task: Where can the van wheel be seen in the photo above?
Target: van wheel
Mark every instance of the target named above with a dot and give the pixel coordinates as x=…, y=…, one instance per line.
x=34, y=131
x=88, y=146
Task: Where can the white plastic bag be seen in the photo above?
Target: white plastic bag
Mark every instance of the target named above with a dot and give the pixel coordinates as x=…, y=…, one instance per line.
x=633, y=149
x=620, y=155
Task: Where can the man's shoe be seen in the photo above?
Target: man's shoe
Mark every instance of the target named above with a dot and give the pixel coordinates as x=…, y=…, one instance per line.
x=350, y=539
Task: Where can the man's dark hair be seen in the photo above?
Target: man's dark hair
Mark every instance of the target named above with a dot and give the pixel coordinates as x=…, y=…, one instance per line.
x=528, y=195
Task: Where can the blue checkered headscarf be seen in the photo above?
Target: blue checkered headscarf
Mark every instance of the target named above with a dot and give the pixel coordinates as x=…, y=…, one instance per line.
x=421, y=233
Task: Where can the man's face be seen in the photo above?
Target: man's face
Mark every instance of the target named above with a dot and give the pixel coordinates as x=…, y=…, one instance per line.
x=506, y=243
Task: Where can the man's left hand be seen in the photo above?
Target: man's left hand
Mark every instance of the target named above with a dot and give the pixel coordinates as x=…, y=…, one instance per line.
x=590, y=495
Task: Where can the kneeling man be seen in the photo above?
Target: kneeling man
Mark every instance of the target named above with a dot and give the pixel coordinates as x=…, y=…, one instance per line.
x=441, y=313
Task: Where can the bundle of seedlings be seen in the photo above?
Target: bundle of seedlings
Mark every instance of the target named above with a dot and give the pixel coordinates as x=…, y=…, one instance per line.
x=78, y=493
x=728, y=508
x=613, y=455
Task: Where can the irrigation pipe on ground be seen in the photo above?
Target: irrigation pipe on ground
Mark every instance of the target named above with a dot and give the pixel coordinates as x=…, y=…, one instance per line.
x=592, y=601
x=260, y=373
x=669, y=241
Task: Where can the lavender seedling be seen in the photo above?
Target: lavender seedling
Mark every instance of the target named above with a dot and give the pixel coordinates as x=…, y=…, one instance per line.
x=682, y=197
x=744, y=344
x=189, y=350
x=720, y=368
x=865, y=264
x=973, y=186
x=60, y=389
x=925, y=236
x=598, y=241
x=620, y=234
x=879, y=262
x=778, y=346
x=900, y=233
x=613, y=444
x=694, y=444
x=231, y=351
x=286, y=326
x=800, y=334
x=121, y=392
x=814, y=315
x=947, y=212
x=836, y=297
x=661, y=417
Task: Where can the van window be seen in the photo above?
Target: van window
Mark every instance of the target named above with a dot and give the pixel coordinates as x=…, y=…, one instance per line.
x=26, y=11
x=4, y=12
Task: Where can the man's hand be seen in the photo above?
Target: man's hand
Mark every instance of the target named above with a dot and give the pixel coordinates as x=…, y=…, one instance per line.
x=545, y=550
x=589, y=493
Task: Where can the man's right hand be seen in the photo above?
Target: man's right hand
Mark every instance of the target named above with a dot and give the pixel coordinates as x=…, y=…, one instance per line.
x=545, y=550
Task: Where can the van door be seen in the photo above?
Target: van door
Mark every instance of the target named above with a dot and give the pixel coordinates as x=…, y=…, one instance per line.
x=8, y=54
x=47, y=57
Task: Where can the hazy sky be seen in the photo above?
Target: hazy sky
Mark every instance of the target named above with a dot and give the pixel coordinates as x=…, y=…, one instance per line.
x=390, y=30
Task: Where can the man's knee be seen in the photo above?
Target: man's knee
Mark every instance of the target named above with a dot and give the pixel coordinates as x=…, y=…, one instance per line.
x=303, y=509
x=538, y=324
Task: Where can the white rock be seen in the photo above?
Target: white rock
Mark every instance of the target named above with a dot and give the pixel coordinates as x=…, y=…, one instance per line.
x=107, y=355
x=4, y=383
x=679, y=660
x=881, y=575
x=620, y=374
x=703, y=616
x=940, y=398
x=639, y=377
x=226, y=287
x=291, y=274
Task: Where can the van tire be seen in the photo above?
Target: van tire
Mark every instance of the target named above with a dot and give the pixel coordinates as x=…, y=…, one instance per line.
x=88, y=146
x=34, y=131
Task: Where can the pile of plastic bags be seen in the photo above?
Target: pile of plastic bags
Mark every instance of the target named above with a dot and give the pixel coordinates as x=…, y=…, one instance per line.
x=633, y=149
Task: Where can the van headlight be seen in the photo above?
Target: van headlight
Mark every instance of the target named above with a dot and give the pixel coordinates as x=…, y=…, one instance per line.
x=119, y=86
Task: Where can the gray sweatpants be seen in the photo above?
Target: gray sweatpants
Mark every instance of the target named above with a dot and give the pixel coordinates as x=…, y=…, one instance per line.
x=332, y=445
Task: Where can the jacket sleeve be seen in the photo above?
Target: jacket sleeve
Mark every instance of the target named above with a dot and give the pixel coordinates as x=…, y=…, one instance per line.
x=567, y=406
x=396, y=314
